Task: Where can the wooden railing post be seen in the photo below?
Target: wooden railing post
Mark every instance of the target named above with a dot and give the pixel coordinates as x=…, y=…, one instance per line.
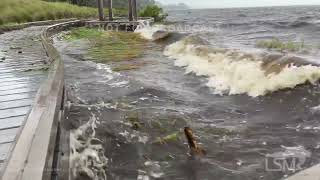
x=100, y=9
x=130, y=10
x=110, y=10
x=134, y=8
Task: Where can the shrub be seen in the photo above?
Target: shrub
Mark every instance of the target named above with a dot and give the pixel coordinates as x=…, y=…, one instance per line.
x=153, y=11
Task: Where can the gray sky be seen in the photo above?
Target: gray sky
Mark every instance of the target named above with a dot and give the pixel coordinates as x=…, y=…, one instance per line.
x=240, y=3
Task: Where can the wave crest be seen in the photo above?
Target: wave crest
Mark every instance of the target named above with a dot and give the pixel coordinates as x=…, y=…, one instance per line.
x=235, y=72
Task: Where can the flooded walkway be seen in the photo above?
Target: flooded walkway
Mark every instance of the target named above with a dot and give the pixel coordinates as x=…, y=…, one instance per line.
x=22, y=70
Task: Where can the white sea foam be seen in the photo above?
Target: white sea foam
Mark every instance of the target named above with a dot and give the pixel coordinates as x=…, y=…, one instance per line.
x=151, y=32
x=87, y=154
x=234, y=72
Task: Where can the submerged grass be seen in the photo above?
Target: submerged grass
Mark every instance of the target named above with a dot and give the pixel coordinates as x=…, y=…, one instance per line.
x=111, y=46
x=279, y=45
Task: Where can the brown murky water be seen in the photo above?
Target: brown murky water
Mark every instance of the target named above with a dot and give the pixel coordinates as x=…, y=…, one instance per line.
x=135, y=108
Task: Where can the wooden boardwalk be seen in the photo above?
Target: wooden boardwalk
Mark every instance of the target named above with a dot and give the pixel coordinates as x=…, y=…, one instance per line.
x=22, y=70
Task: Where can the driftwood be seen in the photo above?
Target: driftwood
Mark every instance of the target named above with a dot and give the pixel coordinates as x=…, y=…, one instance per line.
x=195, y=149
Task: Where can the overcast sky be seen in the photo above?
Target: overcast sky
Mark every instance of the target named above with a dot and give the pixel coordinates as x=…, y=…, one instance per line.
x=240, y=3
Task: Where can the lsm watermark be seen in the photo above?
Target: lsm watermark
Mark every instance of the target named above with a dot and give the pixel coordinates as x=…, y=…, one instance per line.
x=291, y=160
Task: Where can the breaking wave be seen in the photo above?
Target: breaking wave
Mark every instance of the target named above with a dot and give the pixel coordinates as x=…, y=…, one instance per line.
x=150, y=32
x=234, y=72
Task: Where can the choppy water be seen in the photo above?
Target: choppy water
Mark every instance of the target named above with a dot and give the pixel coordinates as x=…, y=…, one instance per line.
x=243, y=26
x=132, y=109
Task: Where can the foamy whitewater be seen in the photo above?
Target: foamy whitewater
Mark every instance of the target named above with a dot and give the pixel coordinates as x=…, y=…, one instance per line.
x=87, y=154
x=234, y=72
x=150, y=32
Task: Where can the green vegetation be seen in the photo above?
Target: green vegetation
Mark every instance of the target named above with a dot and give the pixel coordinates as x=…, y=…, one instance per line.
x=82, y=32
x=117, y=46
x=277, y=44
x=116, y=3
x=153, y=11
x=20, y=11
x=111, y=46
x=169, y=138
x=13, y=12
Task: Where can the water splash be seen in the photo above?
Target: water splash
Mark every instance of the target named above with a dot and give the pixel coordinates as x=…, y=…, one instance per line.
x=87, y=154
x=151, y=32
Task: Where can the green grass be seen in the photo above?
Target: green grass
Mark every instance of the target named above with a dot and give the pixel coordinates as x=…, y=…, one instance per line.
x=21, y=11
x=279, y=45
x=109, y=46
x=82, y=32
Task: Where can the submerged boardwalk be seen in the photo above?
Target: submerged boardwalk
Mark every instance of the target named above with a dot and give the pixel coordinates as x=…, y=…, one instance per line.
x=22, y=70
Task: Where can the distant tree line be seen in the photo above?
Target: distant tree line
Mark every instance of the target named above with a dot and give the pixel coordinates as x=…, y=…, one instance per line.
x=116, y=3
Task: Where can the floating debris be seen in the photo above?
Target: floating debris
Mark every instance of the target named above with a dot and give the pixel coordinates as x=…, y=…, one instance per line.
x=195, y=149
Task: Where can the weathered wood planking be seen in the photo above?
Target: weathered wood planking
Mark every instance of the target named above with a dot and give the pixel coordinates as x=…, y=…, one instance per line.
x=18, y=85
x=32, y=156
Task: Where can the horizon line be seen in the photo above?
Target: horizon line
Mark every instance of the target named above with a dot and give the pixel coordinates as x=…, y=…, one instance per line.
x=197, y=8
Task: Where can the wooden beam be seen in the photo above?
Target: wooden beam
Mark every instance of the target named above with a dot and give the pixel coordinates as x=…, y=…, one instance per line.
x=130, y=10
x=134, y=8
x=110, y=10
x=100, y=9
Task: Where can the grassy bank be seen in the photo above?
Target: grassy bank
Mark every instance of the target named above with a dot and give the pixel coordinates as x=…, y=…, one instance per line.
x=116, y=48
x=20, y=11
x=276, y=44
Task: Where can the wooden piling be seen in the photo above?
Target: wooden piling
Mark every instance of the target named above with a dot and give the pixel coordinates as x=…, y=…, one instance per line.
x=100, y=9
x=134, y=9
x=110, y=10
x=130, y=10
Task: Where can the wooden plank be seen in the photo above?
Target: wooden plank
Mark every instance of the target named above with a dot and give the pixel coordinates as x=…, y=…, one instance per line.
x=42, y=148
x=14, y=112
x=36, y=142
x=21, y=67
x=3, y=84
x=17, y=91
x=17, y=86
x=16, y=103
x=312, y=173
x=8, y=135
x=7, y=76
x=4, y=151
x=15, y=97
x=12, y=122
x=64, y=147
x=14, y=78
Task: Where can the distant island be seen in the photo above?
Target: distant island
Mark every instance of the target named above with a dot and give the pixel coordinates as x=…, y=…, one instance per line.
x=180, y=6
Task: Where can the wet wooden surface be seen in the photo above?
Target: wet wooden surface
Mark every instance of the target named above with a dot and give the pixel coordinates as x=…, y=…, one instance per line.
x=22, y=70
